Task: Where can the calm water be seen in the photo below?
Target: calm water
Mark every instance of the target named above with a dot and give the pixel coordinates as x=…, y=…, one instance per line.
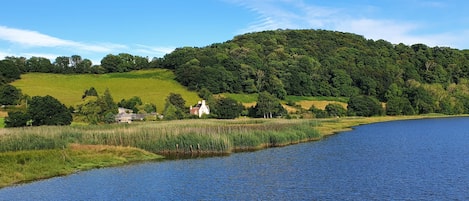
x=405, y=160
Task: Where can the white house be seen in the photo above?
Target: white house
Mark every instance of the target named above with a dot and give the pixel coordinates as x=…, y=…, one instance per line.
x=200, y=109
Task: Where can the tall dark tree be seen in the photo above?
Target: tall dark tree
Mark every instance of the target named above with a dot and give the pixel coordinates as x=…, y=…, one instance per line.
x=366, y=106
x=8, y=71
x=48, y=110
x=227, y=108
x=176, y=100
x=111, y=63
x=9, y=95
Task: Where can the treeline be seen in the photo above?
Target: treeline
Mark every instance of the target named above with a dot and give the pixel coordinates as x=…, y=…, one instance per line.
x=301, y=63
x=74, y=64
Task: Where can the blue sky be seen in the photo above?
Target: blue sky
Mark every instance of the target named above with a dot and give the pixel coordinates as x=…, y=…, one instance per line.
x=95, y=28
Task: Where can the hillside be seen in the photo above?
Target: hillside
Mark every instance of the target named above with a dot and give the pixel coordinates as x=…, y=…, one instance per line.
x=329, y=64
x=152, y=86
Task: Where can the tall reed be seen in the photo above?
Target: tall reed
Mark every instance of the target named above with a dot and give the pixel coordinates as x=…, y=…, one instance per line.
x=187, y=136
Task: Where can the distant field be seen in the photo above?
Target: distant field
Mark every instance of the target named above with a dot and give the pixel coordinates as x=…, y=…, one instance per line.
x=2, y=122
x=306, y=102
x=152, y=86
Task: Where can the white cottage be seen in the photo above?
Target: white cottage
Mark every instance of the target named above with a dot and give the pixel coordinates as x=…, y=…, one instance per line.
x=200, y=109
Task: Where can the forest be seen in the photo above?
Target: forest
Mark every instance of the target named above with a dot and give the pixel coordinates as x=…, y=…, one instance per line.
x=410, y=79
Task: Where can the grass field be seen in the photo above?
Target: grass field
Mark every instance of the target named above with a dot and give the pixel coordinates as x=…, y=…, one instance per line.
x=2, y=122
x=152, y=86
x=305, y=102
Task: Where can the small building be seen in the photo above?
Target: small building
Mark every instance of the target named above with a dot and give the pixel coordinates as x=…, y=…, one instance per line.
x=127, y=116
x=200, y=109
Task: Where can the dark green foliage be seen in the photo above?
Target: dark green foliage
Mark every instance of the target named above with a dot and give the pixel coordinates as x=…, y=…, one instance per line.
x=9, y=95
x=90, y=92
x=335, y=110
x=99, y=109
x=149, y=108
x=8, y=71
x=132, y=103
x=268, y=106
x=318, y=113
x=176, y=100
x=48, y=111
x=17, y=119
x=399, y=106
x=174, y=107
x=366, y=106
x=227, y=108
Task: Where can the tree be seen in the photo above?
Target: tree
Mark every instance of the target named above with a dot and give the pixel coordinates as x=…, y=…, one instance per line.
x=111, y=63
x=364, y=106
x=132, y=103
x=17, y=119
x=335, y=110
x=8, y=71
x=149, y=107
x=268, y=105
x=107, y=103
x=227, y=108
x=48, y=111
x=399, y=106
x=176, y=100
x=9, y=95
x=99, y=109
x=90, y=92
x=318, y=113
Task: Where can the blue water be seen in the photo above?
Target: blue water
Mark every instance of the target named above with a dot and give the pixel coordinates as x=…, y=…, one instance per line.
x=403, y=160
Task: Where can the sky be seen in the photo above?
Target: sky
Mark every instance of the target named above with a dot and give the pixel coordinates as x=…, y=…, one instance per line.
x=153, y=28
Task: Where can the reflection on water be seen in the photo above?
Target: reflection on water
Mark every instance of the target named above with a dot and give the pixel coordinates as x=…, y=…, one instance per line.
x=405, y=160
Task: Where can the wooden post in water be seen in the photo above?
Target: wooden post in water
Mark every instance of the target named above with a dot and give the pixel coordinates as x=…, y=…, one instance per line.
x=190, y=147
x=198, y=147
x=177, y=148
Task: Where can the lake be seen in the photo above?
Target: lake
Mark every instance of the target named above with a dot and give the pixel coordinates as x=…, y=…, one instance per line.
x=402, y=160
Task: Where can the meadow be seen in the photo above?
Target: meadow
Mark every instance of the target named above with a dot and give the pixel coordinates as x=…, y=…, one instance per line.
x=152, y=86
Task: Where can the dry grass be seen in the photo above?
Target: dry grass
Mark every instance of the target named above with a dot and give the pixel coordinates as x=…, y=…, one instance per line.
x=320, y=104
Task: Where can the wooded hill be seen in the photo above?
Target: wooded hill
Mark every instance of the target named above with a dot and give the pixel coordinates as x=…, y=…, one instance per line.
x=329, y=63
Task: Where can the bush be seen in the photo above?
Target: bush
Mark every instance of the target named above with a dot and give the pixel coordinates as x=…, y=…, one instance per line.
x=366, y=106
x=335, y=110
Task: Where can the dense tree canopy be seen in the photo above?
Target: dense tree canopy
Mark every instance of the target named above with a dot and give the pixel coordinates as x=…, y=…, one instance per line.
x=227, y=108
x=48, y=110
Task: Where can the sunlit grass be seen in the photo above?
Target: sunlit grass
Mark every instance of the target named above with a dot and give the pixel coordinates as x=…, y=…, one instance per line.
x=152, y=86
x=22, y=166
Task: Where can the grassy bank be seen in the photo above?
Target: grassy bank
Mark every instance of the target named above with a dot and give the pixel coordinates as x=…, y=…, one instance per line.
x=23, y=166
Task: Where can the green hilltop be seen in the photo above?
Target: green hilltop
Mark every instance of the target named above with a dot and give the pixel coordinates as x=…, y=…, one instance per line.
x=152, y=86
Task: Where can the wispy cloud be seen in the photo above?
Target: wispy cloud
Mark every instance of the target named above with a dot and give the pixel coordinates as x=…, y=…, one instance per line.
x=31, y=39
x=151, y=50
x=297, y=14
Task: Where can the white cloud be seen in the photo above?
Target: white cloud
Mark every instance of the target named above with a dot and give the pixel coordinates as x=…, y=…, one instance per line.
x=31, y=39
x=297, y=14
x=154, y=51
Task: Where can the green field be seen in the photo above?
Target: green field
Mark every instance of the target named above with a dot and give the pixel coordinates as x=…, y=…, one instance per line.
x=152, y=86
x=2, y=122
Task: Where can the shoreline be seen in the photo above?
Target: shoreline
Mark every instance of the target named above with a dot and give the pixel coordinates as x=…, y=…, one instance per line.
x=102, y=156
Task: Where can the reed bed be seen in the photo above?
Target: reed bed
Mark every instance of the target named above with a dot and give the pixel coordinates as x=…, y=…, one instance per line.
x=186, y=136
